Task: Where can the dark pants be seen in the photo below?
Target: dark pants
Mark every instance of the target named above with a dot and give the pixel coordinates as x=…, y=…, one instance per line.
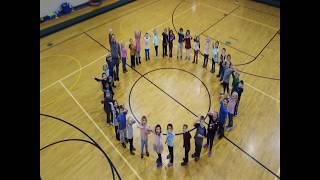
x=159, y=160
x=213, y=68
x=138, y=60
x=205, y=60
x=230, y=123
x=164, y=50
x=171, y=153
x=198, y=145
x=221, y=130
x=225, y=86
x=109, y=117
x=117, y=133
x=131, y=144
x=156, y=48
x=186, y=155
x=116, y=74
x=236, y=108
x=222, y=73
x=210, y=139
x=133, y=64
x=170, y=49
x=124, y=62
x=195, y=56
x=147, y=51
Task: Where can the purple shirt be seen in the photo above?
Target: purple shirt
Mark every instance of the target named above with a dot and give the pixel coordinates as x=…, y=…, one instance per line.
x=124, y=52
x=231, y=105
x=138, y=47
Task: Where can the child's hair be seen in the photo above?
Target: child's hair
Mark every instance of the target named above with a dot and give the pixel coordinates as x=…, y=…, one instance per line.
x=146, y=33
x=169, y=125
x=188, y=32
x=158, y=125
x=144, y=118
x=226, y=99
x=224, y=49
x=103, y=74
x=241, y=81
x=229, y=56
x=185, y=126
x=121, y=106
x=201, y=117
x=170, y=32
x=181, y=29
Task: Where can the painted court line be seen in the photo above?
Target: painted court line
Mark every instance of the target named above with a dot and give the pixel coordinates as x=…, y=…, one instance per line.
x=90, y=118
x=72, y=73
x=262, y=92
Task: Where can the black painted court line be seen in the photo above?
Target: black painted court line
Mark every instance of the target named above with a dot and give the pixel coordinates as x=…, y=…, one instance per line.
x=261, y=11
x=197, y=116
x=114, y=19
x=93, y=142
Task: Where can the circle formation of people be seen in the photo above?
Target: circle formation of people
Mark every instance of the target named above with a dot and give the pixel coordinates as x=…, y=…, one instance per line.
x=117, y=114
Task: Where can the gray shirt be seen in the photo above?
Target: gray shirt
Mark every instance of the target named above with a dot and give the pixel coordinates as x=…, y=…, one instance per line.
x=129, y=131
x=226, y=74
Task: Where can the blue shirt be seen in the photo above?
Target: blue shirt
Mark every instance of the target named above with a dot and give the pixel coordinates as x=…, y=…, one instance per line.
x=155, y=40
x=170, y=136
x=223, y=113
x=181, y=36
x=122, y=120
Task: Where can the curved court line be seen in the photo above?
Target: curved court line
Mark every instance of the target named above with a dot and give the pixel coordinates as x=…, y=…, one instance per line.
x=143, y=76
x=84, y=133
x=79, y=140
x=75, y=82
x=265, y=77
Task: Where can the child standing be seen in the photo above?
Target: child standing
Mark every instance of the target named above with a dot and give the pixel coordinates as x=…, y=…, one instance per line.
x=196, y=49
x=155, y=41
x=206, y=53
x=144, y=132
x=239, y=90
x=222, y=59
x=222, y=115
x=187, y=40
x=180, y=43
x=130, y=122
x=132, y=48
x=235, y=80
x=157, y=144
x=122, y=124
x=169, y=141
x=186, y=144
x=147, y=46
x=198, y=138
x=137, y=36
x=215, y=58
x=171, y=38
x=212, y=129
x=116, y=112
x=165, y=39
x=226, y=76
x=231, y=106
x=124, y=57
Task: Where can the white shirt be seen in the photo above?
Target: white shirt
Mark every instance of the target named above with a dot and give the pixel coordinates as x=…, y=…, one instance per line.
x=146, y=43
x=196, y=46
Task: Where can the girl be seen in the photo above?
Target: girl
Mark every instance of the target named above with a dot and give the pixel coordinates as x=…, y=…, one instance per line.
x=222, y=59
x=206, y=53
x=215, y=58
x=157, y=144
x=212, y=129
x=137, y=36
x=147, y=46
x=171, y=38
x=180, y=43
x=187, y=40
x=155, y=41
x=144, y=132
x=169, y=140
x=164, y=42
x=222, y=115
x=124, y=57
x=198, y=138
x=130, y=122
x=132, y=48
x=196, y=49
x=231, y=106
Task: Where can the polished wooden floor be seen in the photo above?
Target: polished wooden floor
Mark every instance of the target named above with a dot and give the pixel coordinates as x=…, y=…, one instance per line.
x=175, y=91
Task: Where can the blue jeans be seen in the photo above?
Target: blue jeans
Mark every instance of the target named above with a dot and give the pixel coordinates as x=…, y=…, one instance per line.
x=124, y=62
x=144, y=143
x=147, y=54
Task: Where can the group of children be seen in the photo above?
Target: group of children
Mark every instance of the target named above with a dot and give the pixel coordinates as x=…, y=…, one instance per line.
x=116, y=114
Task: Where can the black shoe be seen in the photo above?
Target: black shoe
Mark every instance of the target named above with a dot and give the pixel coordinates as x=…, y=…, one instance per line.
x=123, y=145
x=132, y=153
x=141, y=156
x=168, y=157
x=217, y=76
x=184, y=163
x=193, y=155
x=196, y=159
x=147, y=153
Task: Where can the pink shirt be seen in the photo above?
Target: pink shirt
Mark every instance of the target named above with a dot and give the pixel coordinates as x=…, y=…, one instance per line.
x=206, y=48
x=157, y=143
x=124, y=52
x=138, y=47
x=144, y=131
x=231, y=105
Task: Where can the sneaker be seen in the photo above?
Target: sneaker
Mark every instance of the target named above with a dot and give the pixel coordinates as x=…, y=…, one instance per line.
x=141, y=156
x=159, y=164
x=205, y=146
x=123, y=145
x=210, y=154
x=217, y=76
x=196, y=159
x=168, y=157
x=184, y=163
x=170, y=164
x=132, y=153
x=147, y=153
x=193, y=155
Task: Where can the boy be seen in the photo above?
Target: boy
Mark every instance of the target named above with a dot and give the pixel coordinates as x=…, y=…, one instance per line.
x=169, y=140
x=122, y=124
x=198, y=138
x=222, y=115
x=186, y=144
x=180, y=43
x=130, y=122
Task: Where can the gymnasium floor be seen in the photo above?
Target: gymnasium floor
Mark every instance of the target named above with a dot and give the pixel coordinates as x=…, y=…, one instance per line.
x=164, y=90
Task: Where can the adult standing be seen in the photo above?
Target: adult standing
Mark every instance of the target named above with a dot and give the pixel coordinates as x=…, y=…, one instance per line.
x=115, y=54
